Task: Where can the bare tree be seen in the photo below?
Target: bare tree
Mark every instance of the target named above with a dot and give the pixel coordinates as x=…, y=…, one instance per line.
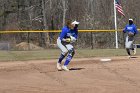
x=52, y=14
x=65, y=8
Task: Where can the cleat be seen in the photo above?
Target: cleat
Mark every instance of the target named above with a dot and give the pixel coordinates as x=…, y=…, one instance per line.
x=59, y=66
x=65, y=68
x=129, y=57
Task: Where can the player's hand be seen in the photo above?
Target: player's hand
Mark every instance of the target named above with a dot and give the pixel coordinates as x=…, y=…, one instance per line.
x=130, y=34
x=73, y=39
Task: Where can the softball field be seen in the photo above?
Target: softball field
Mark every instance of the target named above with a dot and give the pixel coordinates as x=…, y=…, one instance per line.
x=86, y=75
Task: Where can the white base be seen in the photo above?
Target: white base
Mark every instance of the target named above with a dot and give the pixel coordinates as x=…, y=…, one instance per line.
x=104, y=60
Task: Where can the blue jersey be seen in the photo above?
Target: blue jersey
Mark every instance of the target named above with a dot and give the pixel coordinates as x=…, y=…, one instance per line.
x=67, y=32
x=130, y=28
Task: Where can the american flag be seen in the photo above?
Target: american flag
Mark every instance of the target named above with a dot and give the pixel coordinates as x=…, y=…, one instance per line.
x=119, y=7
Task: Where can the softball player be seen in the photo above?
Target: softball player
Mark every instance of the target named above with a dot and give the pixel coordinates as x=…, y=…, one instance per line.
x=131, y=30
x=65, y=40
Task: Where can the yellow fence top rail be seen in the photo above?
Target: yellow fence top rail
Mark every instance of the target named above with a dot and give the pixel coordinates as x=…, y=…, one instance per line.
x=37, y=31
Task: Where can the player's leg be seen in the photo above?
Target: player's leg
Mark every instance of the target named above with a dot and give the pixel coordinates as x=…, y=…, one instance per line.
x=134, y=51
x=128, y=52
x=70, y=55
x=130, y=42
x=62, y=55
x=127, y=46
x=133, y=48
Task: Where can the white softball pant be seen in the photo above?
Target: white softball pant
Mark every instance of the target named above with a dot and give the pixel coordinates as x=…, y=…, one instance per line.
x=129, y=42
x=64, y=48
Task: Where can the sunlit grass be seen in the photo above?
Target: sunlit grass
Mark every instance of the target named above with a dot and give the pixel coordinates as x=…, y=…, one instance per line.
x=54, y=54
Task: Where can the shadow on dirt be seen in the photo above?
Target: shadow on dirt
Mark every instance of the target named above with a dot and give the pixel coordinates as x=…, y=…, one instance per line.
x=134, y=57
x=76, y=69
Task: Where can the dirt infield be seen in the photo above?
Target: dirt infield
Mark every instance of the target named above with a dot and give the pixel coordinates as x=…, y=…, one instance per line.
x=86, y=75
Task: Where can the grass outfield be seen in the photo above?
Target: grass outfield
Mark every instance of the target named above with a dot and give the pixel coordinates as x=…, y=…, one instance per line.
x=54, y=54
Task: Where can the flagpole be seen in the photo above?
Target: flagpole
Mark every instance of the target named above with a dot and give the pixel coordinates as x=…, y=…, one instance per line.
x=115, y=20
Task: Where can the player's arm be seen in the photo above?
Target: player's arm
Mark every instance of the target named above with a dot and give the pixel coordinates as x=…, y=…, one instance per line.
x=125, y=29
x=63, y=34
x=75, y=36
x=76, y=33
x=135, y=30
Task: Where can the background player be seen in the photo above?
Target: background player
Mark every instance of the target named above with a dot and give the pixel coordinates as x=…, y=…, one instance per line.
x=65, y=40
x=131, y=30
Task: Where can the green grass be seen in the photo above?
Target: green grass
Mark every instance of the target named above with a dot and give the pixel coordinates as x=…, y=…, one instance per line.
x=54, y=54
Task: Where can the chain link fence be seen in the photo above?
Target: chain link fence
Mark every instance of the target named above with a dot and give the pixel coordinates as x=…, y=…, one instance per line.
x=38, y=41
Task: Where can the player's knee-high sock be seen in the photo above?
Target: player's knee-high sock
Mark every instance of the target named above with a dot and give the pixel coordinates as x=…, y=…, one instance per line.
x=69, y=57
x=61, y=58
x=128, y=51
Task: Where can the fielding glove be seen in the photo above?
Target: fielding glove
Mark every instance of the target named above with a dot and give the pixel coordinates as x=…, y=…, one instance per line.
x=130, y=34
x=68, y=40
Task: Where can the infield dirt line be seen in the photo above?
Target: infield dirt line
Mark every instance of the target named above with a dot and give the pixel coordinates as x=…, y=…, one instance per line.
x=19, y=63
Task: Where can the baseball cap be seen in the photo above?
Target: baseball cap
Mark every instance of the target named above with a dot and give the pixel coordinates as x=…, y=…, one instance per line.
x=130, y=19
x=75, y=22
